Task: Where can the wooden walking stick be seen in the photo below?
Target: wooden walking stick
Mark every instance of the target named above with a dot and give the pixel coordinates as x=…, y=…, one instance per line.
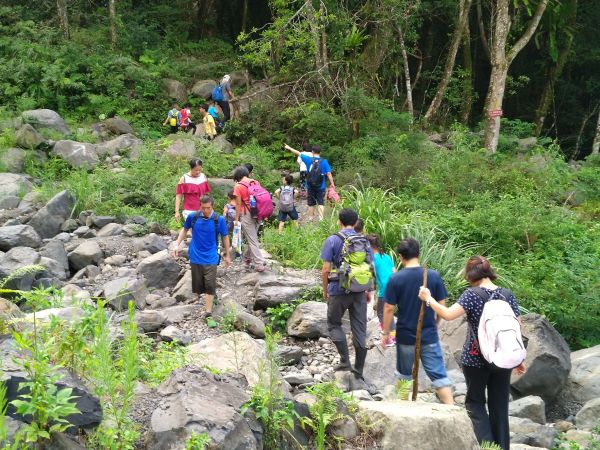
x=415, y=372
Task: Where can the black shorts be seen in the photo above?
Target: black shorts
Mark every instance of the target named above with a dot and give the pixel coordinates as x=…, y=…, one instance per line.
x=315, y=197
x=204, y=279
x=283, y=216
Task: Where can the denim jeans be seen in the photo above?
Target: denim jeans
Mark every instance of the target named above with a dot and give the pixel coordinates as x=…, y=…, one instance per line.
x=432, y=360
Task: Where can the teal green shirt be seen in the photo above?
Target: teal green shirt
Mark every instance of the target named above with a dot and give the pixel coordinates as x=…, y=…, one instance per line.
x=384, y=267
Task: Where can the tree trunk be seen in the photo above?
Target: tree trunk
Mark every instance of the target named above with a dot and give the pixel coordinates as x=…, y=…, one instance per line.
x=316, y=35
x=501, y=60
x=461, y=23
x=596, y=143
x=61, y=6
x=553, y=73
x=112, y=12
x=409, y=99
x=244, y=15
x=465, y=110
x=482, y=35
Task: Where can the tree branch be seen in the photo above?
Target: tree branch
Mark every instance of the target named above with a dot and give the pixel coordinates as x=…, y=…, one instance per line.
x=524, y=39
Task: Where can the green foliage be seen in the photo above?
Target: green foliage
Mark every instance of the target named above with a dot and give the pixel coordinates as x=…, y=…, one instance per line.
x=227, y=322
x=279, y=315
x=403, y=389
x=157, y=362
x=325, y=410
x=487, y=445
x=198, y=441
x=40, y=399
x=275, y=413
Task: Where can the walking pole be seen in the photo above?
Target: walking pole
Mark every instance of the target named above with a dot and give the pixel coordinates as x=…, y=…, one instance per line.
x=415, y=372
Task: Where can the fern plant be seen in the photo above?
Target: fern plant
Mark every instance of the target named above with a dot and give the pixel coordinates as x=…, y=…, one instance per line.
x=403, y=389
x=487, y=445
x=324, y=411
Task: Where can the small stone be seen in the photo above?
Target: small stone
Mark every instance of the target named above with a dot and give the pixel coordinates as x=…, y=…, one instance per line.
x=174, y=334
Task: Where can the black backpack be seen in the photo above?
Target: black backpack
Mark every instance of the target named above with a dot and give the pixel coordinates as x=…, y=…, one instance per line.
x=216, y=219
x=315, y=175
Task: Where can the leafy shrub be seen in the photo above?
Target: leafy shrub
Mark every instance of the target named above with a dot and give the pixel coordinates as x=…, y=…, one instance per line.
x=157, y=362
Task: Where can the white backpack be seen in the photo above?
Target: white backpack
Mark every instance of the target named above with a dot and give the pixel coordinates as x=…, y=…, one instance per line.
x=499, y=333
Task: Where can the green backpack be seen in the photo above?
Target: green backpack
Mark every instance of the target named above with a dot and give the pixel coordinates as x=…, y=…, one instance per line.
x=355, y=272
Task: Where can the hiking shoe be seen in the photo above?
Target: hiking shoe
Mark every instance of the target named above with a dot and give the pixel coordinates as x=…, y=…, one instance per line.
x=390, y=341
x=259, y=269
x=342, y=367
x=210, y=322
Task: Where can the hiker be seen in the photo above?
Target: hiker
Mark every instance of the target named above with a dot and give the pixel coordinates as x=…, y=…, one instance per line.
x=318, y=170
x=173, y=118
x=185, y=121
x=229, y=214
x=349, y=251
x=209, y=122
x=384, y=268
x=253, y=255
x=206, y=226
x=479, y=373
x=191, y=187
x=287, y=196
x=213, y=110
x=403, y=291
x=303, y=169
x=222, y=94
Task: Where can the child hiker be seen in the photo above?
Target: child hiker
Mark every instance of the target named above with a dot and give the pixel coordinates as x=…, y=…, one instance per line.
x=229, y=214
x=384, y=268
x=173, y=118
x=287, y=196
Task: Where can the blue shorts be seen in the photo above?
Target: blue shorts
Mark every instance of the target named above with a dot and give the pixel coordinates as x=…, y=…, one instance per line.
x=293, y=215
x=432, y=360
x=315, y=197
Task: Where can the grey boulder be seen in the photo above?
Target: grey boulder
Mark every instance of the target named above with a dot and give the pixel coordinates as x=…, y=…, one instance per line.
x=18, y=236
x=27, y=137
x=160, y=270
x=526, y=431
x=124, y=144
x=203, y=88
x=17, y=258
x=589, y=416
x=77, y=154
x=48, y=220
x=548, y=360
x=175, y=89
x=309, y=320
x=13, y=159
x=45, y=118
x=87, y=253
x=121, y=291
x=149, y=321
x=116, y=125
x=195, y=401
x=222, y=144
x=530, y=407
x=583, y=383
x=173, y=334
x=181, y=148
x=12, y=187
x=152, y=243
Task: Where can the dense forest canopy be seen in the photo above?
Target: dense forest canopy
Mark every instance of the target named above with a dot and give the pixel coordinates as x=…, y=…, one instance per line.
x=431, y=58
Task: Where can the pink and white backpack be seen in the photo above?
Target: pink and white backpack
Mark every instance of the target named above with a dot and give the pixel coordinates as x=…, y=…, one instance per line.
x=499, y=332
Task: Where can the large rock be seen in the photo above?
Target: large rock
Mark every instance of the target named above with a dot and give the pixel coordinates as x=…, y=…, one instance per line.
x=121, y=291
x=402, y=425
x=124, y=144
x=548, y=360
x=244, y=321
x=8, y=311
x=274, y=290
x=233, y=352
x=48, y=220
x=77, y=154
x=289, y=354
x=589, y=416
x=17, y=258
x=13, y=160
x=220, y=186
x=222, y=144
x=90, y=412
x=181, y=148
x=12, y=186
x=175, y=90
x=454, y=333
x=530, y=407
x=152, y=243
x=68, y=314
x=149, y=321
x=116, y=125
x=27, y=137
x=203, y=88
x=195, y=401
x=160, y=270
x=309, y=320
x=45, y=118
x=583, y=383
x=18, y=236
x=183, y=289
x=526, y=431
x=55, y=250
x=53, y=270
x=111, y=229
x=87, y=253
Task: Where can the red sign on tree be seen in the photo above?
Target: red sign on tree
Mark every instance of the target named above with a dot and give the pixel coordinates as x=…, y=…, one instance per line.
x=495, y=113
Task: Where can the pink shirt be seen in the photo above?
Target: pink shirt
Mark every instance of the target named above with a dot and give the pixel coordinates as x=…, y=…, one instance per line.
x=192, y=189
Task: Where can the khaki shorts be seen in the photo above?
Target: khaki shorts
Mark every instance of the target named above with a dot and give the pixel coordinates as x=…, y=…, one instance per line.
x=204, y=279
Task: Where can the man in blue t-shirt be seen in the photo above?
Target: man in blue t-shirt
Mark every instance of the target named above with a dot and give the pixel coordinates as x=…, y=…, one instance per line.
x=204, y=255
x=338, y=300
x=403, y=291
x=315, y=192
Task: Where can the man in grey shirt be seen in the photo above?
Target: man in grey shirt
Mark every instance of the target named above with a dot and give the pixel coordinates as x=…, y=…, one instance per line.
x=227, y=96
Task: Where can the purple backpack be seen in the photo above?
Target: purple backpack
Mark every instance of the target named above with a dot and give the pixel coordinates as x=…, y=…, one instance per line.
x=264, y=202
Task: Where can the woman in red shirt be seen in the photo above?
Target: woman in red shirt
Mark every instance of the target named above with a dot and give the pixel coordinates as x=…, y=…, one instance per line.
x=190, y=188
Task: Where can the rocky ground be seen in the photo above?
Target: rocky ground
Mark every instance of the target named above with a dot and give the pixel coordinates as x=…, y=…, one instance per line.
x=120, y=260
